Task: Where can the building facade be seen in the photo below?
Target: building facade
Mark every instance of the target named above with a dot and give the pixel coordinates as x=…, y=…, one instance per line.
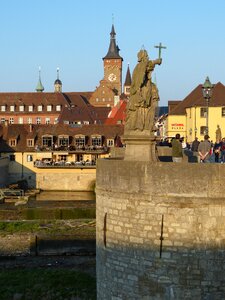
x=189, y=117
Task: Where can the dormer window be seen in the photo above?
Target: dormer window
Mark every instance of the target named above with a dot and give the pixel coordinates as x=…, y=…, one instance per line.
x=63, y=140
x=12, y=142
x=80, y=140
x=110, y=142
x=40, y=107
x=21, y=108
x=58, y=107
x=49, y=107
x=96, y=140
x=30, y=108
x=3, y=107
x=12, y=108
x=30, y=142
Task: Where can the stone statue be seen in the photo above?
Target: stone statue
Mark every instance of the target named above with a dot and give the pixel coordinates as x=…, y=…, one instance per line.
x=143, y=95
x=218, y=134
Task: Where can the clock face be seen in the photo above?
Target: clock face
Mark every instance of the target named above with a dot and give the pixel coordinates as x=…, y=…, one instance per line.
x=112, y=77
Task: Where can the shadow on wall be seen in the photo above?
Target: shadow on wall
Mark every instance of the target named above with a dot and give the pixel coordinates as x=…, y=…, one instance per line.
x=140, y=273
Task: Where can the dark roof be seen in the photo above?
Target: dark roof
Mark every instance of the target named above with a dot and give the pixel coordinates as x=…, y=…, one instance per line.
x=128, y=77
x=195, y=98
x=58, y=81
x=113, y=51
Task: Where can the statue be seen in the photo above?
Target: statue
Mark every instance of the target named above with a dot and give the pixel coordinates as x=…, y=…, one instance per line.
x=218, y=134
x=143, y=95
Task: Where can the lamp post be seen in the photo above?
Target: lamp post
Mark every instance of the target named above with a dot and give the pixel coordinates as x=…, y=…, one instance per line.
x=207, y=94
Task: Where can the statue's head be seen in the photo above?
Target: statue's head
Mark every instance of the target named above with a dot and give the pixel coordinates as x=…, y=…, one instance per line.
x=142, y=55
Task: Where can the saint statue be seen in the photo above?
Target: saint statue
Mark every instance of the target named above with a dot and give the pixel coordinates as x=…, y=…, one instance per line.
x=218, y=134
x=143, y=95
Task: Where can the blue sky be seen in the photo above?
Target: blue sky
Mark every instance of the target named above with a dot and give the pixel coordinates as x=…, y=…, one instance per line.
x=74, y=36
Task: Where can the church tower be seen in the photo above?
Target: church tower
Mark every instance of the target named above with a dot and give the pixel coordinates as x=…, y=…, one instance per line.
x=110, y=86
x=113, y=65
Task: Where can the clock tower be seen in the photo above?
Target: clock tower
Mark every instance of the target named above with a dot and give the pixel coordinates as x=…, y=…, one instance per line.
x=111, y=85
x=113, y=65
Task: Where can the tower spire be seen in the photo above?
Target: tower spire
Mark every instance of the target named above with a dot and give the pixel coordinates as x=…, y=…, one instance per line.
x=39, y=87
x=113, y=51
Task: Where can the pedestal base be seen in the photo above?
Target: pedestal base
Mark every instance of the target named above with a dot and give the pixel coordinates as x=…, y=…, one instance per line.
x=140, y=148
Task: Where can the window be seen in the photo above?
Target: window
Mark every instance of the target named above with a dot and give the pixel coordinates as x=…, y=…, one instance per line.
x=203, y=112
x=30, y=108
x=223, y=111
x=96, y=140
x=58, y=107
x=29, y=158
x=12, y=142
x=203, y=130
x=47, y=141
x=20, y=120
x=110, y=142
x=86, y=122
x=39, y=107
x=12, y=108
x=56, y=121
x=2, y=120
x=21, y=108
x=12, y=157
x=47, y=120
x=30, y=142
x=38, y=120
x=3, y=108
x=63, y=140
x=49, y=108
x=80, y=141
x=11, y=120
x=29, y=120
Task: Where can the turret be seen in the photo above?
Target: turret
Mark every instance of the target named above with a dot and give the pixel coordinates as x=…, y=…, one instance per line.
x=58, y=83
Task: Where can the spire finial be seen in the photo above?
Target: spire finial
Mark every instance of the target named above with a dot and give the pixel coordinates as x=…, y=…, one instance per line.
x=112, y=18
x=39, y=87
x=57, y=72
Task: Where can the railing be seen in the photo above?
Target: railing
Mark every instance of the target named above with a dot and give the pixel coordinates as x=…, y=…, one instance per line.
x=74, y=149
x=63, y=164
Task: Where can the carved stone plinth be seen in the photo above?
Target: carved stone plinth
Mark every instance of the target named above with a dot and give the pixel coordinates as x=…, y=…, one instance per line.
x=140, y=146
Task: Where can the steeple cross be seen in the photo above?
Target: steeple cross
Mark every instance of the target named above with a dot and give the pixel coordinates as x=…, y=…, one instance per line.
x=160, y=47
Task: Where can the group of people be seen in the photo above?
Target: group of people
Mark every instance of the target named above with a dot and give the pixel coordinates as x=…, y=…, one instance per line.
x=205, y=151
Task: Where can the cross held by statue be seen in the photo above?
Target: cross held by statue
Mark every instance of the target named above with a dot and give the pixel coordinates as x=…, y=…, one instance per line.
x=160, y=47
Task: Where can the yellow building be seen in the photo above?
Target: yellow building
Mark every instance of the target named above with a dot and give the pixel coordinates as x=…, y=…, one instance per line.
x=189, y=117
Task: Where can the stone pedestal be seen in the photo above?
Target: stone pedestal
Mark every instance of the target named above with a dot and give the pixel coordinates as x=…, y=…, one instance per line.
x=140, y=146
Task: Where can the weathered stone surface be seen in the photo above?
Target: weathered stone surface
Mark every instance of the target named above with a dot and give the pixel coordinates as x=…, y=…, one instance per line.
x=188, y=262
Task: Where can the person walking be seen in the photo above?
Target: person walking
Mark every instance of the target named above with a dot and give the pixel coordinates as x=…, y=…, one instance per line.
x=204, y=149
x=177, y=153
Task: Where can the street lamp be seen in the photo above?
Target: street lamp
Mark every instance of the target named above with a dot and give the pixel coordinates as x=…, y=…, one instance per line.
x=207, y=94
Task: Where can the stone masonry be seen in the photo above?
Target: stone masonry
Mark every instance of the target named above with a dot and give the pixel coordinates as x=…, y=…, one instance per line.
x=160, y=230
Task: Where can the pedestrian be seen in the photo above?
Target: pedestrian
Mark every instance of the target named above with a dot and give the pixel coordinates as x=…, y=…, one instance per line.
x=223, y=151
x=216, y=150
x=204, y=149
x=194, y=148
x=177, y=153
